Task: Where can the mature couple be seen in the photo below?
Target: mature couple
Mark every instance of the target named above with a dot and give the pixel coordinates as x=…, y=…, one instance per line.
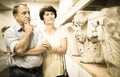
x=33, y=52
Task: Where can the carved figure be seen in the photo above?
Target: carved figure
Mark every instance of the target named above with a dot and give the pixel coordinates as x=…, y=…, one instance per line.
x=111, y=41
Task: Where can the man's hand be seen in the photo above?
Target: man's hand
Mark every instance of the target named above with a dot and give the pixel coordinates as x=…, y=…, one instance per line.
x=28, y=27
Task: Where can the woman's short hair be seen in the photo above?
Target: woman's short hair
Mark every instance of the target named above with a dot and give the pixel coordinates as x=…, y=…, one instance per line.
x=47, y=8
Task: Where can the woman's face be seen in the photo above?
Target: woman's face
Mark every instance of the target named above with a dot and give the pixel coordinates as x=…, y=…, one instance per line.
x=49, y=17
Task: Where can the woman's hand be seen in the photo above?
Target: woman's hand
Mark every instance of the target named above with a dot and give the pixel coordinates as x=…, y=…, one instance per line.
x=46, y=44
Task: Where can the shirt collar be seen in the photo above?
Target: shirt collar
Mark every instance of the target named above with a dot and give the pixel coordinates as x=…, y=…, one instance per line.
x=19, y=28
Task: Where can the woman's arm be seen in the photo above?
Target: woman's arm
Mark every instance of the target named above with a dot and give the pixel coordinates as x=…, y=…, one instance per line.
x=62, y=48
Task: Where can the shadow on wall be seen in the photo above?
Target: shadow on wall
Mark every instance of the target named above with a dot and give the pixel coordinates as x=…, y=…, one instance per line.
x=3, y=66
x=2, y=45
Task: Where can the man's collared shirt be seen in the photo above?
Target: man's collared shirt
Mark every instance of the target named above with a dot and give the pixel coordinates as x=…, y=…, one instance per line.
x=12, y=36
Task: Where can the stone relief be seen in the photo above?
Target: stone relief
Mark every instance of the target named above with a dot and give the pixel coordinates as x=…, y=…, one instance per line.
x=97, y=37
x=110, y=39
x=86, y=35
x=72, y=42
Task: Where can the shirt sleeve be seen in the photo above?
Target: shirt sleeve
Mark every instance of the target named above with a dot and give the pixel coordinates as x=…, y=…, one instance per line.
x=40, y=38
x=11, y=39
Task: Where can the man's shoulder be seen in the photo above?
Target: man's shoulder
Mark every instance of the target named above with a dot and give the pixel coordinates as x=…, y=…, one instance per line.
x=10, y=30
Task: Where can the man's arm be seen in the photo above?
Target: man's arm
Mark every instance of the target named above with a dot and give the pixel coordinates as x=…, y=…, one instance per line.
x=39, y=49
x=22, y=45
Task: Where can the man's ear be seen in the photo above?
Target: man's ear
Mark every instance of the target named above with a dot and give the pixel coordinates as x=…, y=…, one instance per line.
x=15, y=16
